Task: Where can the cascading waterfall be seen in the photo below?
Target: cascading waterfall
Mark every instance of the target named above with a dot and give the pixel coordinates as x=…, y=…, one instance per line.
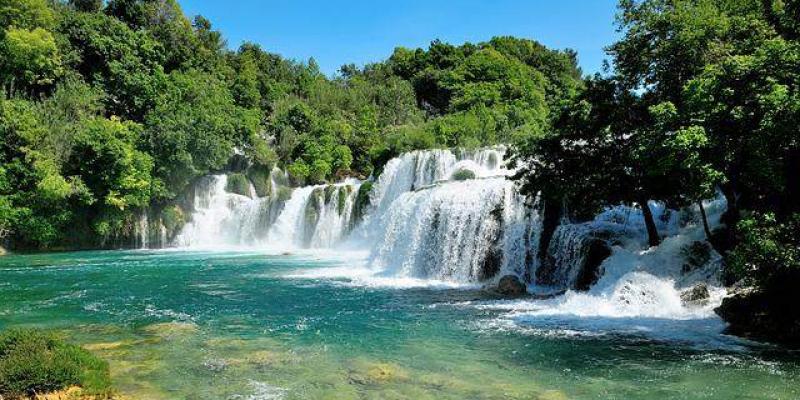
x=312, y=216
x=453, y=216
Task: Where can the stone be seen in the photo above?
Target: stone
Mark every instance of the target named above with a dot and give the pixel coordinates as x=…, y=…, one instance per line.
x=2, y=251
x=764, y=315
x=696, y=295
x=511, y=286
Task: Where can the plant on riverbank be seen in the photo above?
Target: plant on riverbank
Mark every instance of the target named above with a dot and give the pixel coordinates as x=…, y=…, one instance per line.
x=34, y=362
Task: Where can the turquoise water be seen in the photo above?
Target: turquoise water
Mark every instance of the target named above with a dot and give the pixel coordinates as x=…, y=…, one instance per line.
x=238, y=325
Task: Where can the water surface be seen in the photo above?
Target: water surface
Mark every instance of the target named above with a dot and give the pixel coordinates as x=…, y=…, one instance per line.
x=244, y=325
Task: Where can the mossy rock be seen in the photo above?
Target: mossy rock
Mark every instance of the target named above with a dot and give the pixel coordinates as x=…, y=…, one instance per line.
x=362, y=202
x=697, y=255
x=284, y=193
x=329, y=191
x=260, y=177
x=363, y=197
x=238, y=184
x=173, y=219
x=463, y=175
x=35, y=362
x=344, y=191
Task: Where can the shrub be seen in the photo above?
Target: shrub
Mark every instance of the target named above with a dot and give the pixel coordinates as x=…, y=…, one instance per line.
x=173, y=218
x=768, y=250
x=238, y=184
x=34, y=362
x=463, y=175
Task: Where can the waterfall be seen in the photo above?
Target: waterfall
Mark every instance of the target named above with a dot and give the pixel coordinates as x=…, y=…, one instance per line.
x=144, y=230
x=453, y=215
x=465, y=231
x=312, y=217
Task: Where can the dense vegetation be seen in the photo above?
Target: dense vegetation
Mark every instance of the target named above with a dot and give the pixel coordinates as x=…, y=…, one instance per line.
x=705, y=95
x=112, y=107
x=34, y=362
x=109, y=108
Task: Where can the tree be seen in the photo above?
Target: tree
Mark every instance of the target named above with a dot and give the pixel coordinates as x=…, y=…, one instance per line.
x=30, y=59
x=87, y=5
x=26, y=14
x=194, y=128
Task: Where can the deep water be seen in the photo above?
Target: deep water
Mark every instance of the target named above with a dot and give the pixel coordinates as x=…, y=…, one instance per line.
x=247, y=325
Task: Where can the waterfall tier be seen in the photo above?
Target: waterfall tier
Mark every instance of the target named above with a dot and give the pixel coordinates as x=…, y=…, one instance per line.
x=443, y=215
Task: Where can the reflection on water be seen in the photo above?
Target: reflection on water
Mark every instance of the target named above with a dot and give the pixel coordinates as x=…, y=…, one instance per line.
x=252, y=326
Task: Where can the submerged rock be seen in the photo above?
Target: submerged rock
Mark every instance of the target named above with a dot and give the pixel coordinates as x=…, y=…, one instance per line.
x=511, y=286
x=696, y=295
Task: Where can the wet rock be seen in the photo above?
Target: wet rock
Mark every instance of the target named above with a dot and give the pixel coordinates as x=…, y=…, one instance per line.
x=2, y=251
x=215, y=365
x=696, y=295
x=597, y=251
x=768, y=315
x=574, y=257
x=511, y=286
x=697, y=255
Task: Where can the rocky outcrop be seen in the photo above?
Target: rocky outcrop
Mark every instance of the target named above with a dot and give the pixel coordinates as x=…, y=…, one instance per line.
x=697, y=295
x=511, y=286
x=764, y=315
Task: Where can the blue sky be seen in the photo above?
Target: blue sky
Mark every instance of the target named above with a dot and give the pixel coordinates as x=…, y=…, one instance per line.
x=363, y=31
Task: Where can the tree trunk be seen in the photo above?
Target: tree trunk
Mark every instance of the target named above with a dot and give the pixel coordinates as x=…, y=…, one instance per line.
x=652, y=232
x=705, y=220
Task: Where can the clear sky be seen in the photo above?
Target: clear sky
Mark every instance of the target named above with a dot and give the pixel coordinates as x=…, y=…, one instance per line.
x=363, y=31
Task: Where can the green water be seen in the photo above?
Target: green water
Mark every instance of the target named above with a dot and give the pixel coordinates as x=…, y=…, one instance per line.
x=177, y=325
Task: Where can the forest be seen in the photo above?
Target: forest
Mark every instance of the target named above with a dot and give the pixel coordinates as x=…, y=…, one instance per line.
x=109, y=108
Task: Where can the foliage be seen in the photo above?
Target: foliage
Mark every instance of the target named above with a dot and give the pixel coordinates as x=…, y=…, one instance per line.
x=238, y=184
x=705, y=95
x=35, y=362
x=769, y=251
x=114, y=107
x=463, y=175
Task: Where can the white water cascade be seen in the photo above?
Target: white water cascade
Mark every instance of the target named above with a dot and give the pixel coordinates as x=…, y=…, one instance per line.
x=312, y=216
x=453, y=217
x=438, y=215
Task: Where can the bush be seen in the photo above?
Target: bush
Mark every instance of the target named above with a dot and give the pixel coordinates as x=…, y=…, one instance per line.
x=173, y=219
x=768, y=250
x=238, y=184
x=463, y=175
x=34, y=362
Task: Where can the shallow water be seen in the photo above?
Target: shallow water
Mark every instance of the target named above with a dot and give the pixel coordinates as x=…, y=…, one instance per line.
x=244, y=325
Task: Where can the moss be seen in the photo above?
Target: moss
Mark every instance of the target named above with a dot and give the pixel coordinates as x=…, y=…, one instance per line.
x=329, y=190
x=238, y=184
x=362, y=199
x=284, y=193
x=463, y=175
x=342, y=200
x=261, y=179
x=34, y=362
x=173, y=219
